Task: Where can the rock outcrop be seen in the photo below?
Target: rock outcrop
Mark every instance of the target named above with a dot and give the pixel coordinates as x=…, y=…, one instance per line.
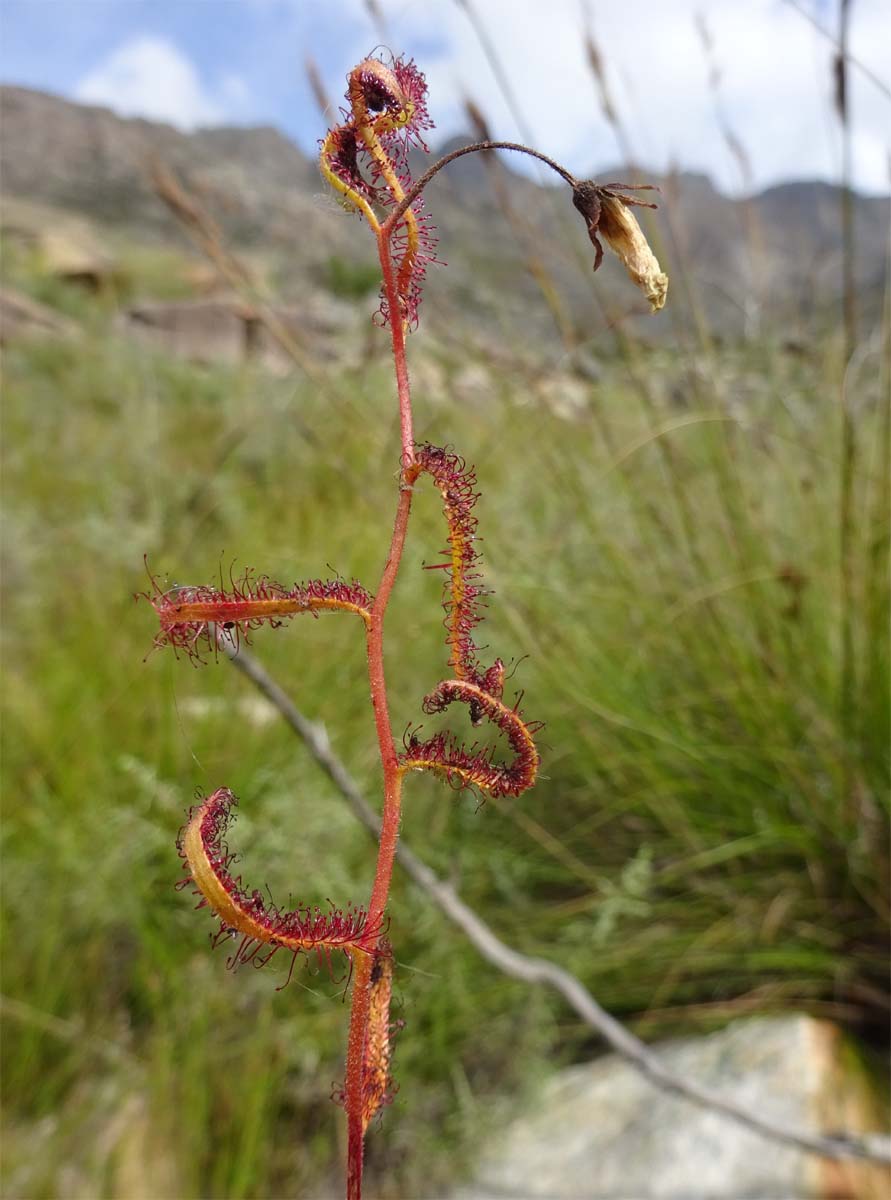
x=602, y=1132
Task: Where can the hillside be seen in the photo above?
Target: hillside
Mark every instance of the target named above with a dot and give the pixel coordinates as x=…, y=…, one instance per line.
x=684, y=568
x=749, y=261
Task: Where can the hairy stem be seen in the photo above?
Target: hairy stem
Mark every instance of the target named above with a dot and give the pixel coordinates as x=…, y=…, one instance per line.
x=397, y=330
x=359, y=1013
x=353, y=1086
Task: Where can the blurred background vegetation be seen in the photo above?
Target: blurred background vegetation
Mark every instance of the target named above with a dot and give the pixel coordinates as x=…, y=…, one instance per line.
x=663, y=530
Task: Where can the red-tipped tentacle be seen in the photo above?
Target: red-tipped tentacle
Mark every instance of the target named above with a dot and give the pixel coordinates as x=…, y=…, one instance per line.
x=463, y=591
x=203, y=848
x=188, y=616
x=474, y=766
x=366, y=160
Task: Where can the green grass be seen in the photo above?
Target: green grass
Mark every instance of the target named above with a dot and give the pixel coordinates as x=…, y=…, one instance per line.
x=705, y=839
x=352, y=281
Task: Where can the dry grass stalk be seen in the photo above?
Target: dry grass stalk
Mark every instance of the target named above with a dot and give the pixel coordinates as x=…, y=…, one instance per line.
x=206, y=234
x=318, y=89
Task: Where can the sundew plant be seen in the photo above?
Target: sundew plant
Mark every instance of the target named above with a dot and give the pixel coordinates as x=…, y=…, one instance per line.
x=365, y=161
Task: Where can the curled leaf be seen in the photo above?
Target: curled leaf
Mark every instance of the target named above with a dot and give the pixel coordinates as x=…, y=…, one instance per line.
x=261, y=926
x=464, y=592
x=189, y=616
x=475, y=766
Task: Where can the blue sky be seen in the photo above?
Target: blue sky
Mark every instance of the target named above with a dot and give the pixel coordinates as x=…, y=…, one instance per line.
x=195, y=62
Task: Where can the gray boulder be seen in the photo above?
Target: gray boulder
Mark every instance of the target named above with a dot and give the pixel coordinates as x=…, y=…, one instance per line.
x=602, y=1132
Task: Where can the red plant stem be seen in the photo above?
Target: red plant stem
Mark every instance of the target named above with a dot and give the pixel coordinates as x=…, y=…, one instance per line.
x=398, y=333
x=353, y=1087
x=354, y=1082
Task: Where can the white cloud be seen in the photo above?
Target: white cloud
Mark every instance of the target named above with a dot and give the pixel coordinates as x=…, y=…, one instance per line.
x=149, y=77
x=775, y=85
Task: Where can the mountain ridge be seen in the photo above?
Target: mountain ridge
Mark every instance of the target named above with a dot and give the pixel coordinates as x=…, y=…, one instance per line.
x=776, y=251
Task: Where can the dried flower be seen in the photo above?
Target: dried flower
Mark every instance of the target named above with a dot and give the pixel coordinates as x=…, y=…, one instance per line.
x=606, y=212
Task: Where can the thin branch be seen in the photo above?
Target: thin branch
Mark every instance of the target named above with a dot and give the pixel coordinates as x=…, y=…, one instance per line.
x=871, y=1147
x=412, y=194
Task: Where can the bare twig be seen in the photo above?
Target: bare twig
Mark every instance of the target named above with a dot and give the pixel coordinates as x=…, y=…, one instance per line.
x=872, y=1147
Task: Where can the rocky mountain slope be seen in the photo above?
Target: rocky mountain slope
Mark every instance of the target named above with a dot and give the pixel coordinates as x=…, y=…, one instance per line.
x=776, y=255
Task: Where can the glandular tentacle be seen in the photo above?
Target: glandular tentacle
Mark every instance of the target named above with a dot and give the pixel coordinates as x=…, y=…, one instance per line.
x=262, y=927
x=475, y=766
x=464, y=592
x=365, y=159
x=191, y=618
